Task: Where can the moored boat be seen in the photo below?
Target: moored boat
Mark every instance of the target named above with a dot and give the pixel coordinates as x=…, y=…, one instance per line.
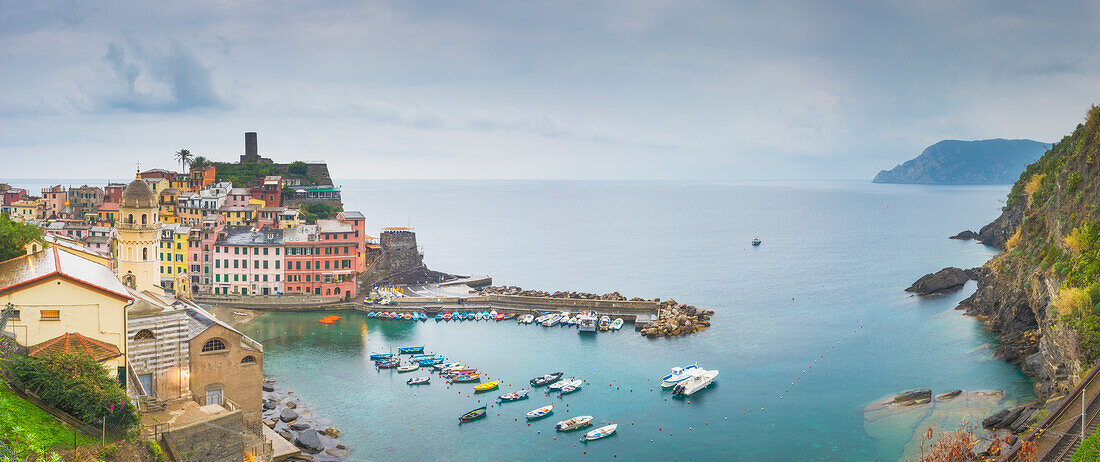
x=487, y=386
x=430, y=361
x=387, y=364
x=514, y=396
x=467, y=378
x=617, y=324
x=679, y=374
x=558, y=385
x=574, y=423
x=528, y=319
x=605, y=323
x=572, y=386
x=447, y=316
x=411, y=350
x=493, y=314
x=546, y=379
x=602, y=432
x=540, y=412
x=378, y=356
x=419, y=380
x=586, y=321
x=473, y=415
x=439, y=316
x=756, y=241
x=509, y=316
x=695, y=383
x=409, y=367
x=499, y=317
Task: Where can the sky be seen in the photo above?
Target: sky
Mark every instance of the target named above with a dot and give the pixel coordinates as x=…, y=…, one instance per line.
x=724, y=90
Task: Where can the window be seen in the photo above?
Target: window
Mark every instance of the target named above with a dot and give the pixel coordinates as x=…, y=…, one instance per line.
x=15, y=315
x=326, y=264
x=265, y=249
x=255, y=251
x=51, y=315
x=237, y=250
x=265, y=264
x=217, y=263
x=213, y=345
x=277, y=264
x=144, y=334
x=276, y=251
x=265, y=278
x=144, y=254
x=248, y=360
x=255, y=264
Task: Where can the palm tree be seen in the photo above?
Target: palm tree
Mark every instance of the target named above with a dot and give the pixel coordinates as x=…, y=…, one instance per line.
x=199, y=162
x=184, y=157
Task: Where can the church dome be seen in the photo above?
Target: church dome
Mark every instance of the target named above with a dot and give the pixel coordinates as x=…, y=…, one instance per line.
x=138, y=195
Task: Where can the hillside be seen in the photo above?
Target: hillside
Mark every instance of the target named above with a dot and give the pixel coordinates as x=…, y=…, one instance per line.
x=996, y=161
x=1042, y=293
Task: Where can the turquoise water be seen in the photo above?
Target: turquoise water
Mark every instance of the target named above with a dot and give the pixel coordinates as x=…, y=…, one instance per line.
x=825, y=286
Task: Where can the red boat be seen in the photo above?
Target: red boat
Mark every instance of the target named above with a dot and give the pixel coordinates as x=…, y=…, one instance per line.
x=500, y=316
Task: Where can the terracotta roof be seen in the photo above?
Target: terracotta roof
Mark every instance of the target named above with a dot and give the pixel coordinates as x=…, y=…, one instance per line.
x=73, y=342
x=52, y=262
x=109, y=207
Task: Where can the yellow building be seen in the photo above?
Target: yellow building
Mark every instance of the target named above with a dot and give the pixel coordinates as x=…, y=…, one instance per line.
x=138, y=238
x=179, y=182
x=168, y=199
x=173, y=253
x=237, y=216
x=157, y=184
x=63, y=302
x=27, y=210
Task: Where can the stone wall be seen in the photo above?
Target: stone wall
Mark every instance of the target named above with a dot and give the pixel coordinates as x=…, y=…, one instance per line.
x=215, y=440
x=399, y=252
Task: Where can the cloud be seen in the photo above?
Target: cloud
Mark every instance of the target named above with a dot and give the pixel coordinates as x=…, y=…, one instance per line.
x=157, y=80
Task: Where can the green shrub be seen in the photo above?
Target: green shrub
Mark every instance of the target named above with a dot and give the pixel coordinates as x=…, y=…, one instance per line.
x=1073, y=181
x=298, y=168
x=13, y=236
x=1089, y=450
x=77, y=385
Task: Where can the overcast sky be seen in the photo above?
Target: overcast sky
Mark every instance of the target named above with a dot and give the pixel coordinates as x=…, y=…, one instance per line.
x=585, y=89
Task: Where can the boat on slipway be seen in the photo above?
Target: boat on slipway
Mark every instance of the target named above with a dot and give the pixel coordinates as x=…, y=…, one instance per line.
x=695, y=383
x=540, y=412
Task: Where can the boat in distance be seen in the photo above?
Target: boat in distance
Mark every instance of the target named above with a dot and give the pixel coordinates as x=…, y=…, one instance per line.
x=540, y=412
x=487, y=386
x=695, y=383
x=514, y=396
x=574, y=423
x=679, y=374
x=546, y=379
x=419, y=380
x=473, y=415
x=411, y=350
x=602, y=432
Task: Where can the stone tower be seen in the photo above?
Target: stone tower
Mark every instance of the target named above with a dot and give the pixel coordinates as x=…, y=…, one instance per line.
x=138, y=238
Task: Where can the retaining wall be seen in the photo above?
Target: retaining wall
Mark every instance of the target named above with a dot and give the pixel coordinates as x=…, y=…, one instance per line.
x=214, y=440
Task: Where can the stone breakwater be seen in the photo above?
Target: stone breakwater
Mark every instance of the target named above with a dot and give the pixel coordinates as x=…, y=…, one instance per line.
x=514, y=290
x=292, y=420
x=675, y=319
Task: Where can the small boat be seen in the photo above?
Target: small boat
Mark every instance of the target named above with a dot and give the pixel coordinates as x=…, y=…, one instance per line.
x=458, y=372
x=605, y=323
x=493, y=314
x=479, y=316
x=617, y=324
x=439, y=316
x=514, y=396
x=423, y=356
x=473, y=415
x=423, y=316
x=695, y=383
x=451, y=367
x=546, y=379
x=381, y=356
x=540, y=412
x=409, y=367
x=411, y=350
x=487, y=386
x=240, y=313
x=756, y=241
x=679, y=374
x=446, y=316
x=447, y=366
x=571, y=387
x=541, y=319
x=499, y=317
x=580, y=421
x=430, y=361
x=419, y=380
x=509, y=316
x=528, y=319
x=400, y=316
x=553, y=319
x=586, y=322
x=558, y=385
x=390, y=364
x=602, y=432
x=467, y=378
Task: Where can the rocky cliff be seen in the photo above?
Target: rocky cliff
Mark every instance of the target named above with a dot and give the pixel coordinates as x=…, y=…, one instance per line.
x=996, y=161
x=1041, y=293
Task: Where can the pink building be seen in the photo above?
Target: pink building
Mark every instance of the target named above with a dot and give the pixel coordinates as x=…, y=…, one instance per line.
x=248, y=261
x=54, y=199
x=238, y=197
x=112, y=193
x=14, y=194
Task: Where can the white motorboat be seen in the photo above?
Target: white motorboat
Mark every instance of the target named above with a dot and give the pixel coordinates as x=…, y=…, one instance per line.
x=695, y=383
x=553, y=319
x=580, y=421
x=527, y=319
x=605, y=323
x=409, y=367
x=602, y=432
x=493, y=314
x=540, y=412
x=586, y=321
x=571, y=386
x=679, y=374
x=617, y=324
x=559, y=384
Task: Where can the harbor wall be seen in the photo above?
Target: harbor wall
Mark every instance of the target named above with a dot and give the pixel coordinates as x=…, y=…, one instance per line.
x=286, y=302
x=640, y=311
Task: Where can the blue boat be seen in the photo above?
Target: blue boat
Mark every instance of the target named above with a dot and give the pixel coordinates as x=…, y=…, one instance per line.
x=381, y=356
x=400, y=316
x=411, y=350
x=419, y=357
x=439, y=316
x=423, y=316
x=431, y=361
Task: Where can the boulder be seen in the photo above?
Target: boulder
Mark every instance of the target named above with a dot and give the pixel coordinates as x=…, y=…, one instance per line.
x=268, y=405
x=949, y=395
x=914, y=395
x=268, y=387
x=994, y=420
x=309, y=441
x=943, y=281
x=288, y=415
x=285, y=434
x=1020, y=424
x=291, y=405
x=339, y=452
x=299, y=426
x=333, y=432
x=966, y=235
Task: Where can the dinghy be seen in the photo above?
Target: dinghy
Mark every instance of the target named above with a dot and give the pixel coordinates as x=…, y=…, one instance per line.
x=409, y=367
x=617, y=324
x=509, y=316
x=558, y=385
x=467, y=378
x=472, y=415
x=419, y=380
x=580, y=421
x=390, y=364
x=514, y=396
x=487, y=386
x=546, y=379
x=540, y=412
x=430, y=361
x=605, y=323
x=439, y=316
x=378, y=356
x=602, y=432
x=528, y=319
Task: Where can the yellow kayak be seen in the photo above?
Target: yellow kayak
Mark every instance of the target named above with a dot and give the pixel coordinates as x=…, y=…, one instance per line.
x=487, y=386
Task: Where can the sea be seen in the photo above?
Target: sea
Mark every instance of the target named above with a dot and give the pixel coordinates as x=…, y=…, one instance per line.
x=810, y=328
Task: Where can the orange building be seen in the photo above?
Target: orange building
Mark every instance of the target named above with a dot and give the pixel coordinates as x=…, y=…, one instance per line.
x=200, y=178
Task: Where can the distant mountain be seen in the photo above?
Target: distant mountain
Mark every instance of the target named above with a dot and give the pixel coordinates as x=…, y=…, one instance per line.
x=996, y=161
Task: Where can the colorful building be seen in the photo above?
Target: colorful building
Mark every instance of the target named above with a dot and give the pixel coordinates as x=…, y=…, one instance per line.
x=85, y=199
x=173, y=253
x=271, y=191
x=54, y=199
x=112, y=193
x=28, y=210
x=108, y=213
x=199, y=179
x=248, y=261
x=323, y=259
x=13, y=195
x=168, y=199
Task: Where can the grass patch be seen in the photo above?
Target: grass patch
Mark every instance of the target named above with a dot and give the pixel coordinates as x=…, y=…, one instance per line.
x=32, y=430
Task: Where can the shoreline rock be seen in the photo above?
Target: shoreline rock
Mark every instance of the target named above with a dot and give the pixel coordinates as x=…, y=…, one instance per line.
x=675, y=319
x=295, y=422
x=944, y=281
x=965, y=235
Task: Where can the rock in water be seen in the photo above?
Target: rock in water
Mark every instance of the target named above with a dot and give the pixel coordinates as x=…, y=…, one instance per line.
x=309, y=441
x=333, y=432
x=995, y=419
x=288, y=415
x=965, y=235
x=299, y=426
x=946, y=280
x=917, y=396
x=949, y=395
x=268, y=387
x=268, y=405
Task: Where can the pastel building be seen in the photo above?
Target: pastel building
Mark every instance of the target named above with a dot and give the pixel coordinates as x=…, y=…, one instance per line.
x=248, y=261
x=322, y=259
x=54, y=200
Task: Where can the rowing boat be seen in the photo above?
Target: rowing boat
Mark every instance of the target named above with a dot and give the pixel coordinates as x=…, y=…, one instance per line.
x=540, y=412
x=514, y=396
x=602, y=432
x=473, y=415
x=574, y=423
x=487, y=386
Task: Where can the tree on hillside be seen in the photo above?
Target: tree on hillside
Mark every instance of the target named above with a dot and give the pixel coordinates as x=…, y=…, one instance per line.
x=184, y=157
x=13, y=236
x=297, y=168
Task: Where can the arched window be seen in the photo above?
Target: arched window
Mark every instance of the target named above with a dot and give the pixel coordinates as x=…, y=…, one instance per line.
x=144, y=219
x=213, y=345
x=337, y=291
x=130, y=219
x=144, y=334
x=248, y=360
x=144, y=254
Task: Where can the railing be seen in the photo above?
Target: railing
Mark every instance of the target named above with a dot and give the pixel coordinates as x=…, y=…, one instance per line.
x=222, y=401
x=260, y=452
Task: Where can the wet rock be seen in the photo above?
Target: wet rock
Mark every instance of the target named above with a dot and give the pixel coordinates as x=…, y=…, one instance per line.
x=299, y=426
x=268, y=405
x=333, y=432
x=994, y=420
x=913, y=395
x=949, y=395
x=966, y=235
x=291, y=405
x=268, y=387
x=288, y=415
x=310, y=441
x=943, y=281
x=337, y=452
x=1020, y=424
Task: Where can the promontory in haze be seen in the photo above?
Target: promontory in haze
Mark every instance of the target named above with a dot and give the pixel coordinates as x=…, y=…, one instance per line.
x=995, y=161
